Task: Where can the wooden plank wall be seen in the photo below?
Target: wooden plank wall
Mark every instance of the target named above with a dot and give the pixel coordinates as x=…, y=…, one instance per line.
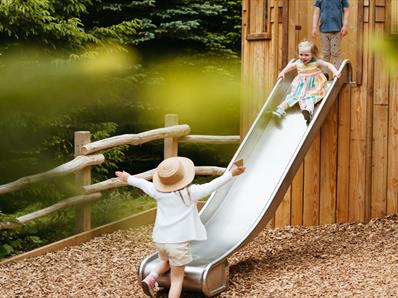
x=351, y=170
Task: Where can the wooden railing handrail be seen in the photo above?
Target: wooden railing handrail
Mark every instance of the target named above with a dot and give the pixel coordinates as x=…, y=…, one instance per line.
x=92, y=193
x=179, y=133
x=114, y=182
x=136, y=139
x=76, y=200
x=83, y=161
x=78, y=163
x=209, y=139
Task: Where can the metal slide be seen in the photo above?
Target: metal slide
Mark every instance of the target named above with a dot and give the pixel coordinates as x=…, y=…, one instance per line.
x=272, y=152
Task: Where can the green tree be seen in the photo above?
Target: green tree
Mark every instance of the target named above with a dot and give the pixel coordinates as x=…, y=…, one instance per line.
x=55, y=24
x=155, y=26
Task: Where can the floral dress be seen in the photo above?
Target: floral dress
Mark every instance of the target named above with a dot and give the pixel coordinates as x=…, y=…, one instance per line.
x=308, y=87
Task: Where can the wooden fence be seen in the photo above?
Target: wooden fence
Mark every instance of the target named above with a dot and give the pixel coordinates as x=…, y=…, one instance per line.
x=173, y=133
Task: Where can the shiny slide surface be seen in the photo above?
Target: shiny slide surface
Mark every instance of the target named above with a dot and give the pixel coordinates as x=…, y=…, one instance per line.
x=272, y=151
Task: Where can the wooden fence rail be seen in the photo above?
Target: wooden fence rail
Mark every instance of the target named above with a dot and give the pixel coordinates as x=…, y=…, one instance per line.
x=80, y=162
x=172, y=133
x=204, y=139
x=137, y=139
x=115, y=183
x=72, y=201
x=92, y=194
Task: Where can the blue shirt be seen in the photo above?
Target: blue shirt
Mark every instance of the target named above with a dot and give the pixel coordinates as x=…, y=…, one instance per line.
x=331, y=17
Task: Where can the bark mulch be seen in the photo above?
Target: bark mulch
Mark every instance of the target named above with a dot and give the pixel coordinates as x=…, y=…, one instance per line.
x=348, y=260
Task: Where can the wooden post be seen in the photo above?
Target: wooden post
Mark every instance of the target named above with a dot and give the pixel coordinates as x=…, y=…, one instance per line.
x=83, y=177
x=170, y=144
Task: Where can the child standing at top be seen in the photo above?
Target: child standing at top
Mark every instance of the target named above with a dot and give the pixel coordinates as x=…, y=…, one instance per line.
x=332, y=16
x=310, y=84
x=177, y=220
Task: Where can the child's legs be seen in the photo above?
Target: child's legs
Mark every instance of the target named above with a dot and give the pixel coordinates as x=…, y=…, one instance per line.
x=309, y=105
x=176, y=256
x=284, y=105
x=335, y=45
x=162, y=267
x=177, y=278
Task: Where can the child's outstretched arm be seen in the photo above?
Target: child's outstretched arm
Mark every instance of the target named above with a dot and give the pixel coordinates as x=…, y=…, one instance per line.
x=123, y=176
x=289, y=67
x=330, y=66
x=141, y=183
x=202, y=190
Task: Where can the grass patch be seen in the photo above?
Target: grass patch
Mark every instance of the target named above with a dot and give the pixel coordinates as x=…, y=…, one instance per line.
x=119, y=204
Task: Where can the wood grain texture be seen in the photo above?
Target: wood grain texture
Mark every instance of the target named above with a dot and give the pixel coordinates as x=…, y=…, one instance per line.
x=379, y=161
x=328, y=181
x=343, y=155
x=297, y=197
x=392, y=171
x=312, y=183
x=282, y=214
x=82, y=177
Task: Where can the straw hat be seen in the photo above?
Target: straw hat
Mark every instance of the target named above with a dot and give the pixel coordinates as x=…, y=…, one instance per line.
x=173, y=173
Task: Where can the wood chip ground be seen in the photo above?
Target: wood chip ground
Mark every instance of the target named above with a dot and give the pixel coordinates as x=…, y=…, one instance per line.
x=348, y=260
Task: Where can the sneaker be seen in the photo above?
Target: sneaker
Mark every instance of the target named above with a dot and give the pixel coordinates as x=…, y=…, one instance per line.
x=307, y=115
x=326, y=75
x=148, y=285
x=279, y=112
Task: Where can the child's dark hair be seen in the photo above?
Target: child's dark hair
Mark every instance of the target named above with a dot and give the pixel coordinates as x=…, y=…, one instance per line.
x=305, y=44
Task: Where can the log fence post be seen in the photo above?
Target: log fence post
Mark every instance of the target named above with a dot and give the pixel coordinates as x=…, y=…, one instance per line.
x=82, y=177
x=170, y=143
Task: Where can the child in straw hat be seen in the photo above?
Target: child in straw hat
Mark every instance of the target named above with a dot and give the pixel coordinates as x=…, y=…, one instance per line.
x=177, y=219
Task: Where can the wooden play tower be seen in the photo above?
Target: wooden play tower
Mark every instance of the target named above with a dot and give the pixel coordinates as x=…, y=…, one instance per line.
x=351, y=170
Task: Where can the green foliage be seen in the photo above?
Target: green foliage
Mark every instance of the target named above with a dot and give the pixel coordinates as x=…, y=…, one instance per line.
x=203, y=26
x=44, y=22
x=70, y=8
x=121, y=203
x=13, y=241
x=124, y=33
x=114, y=156
x=167, y=27
x=73, y=98
x=116, y=204
x=77, y=86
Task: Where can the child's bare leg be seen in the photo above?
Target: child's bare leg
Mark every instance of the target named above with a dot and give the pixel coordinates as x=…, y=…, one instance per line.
x=162, y=267
x=177, y=277
x=149, y=282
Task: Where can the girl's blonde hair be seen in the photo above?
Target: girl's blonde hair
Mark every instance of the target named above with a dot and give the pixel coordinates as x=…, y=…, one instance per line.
x=306, y=44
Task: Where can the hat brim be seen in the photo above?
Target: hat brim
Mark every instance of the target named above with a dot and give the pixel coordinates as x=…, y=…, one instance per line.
x=188, y=172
